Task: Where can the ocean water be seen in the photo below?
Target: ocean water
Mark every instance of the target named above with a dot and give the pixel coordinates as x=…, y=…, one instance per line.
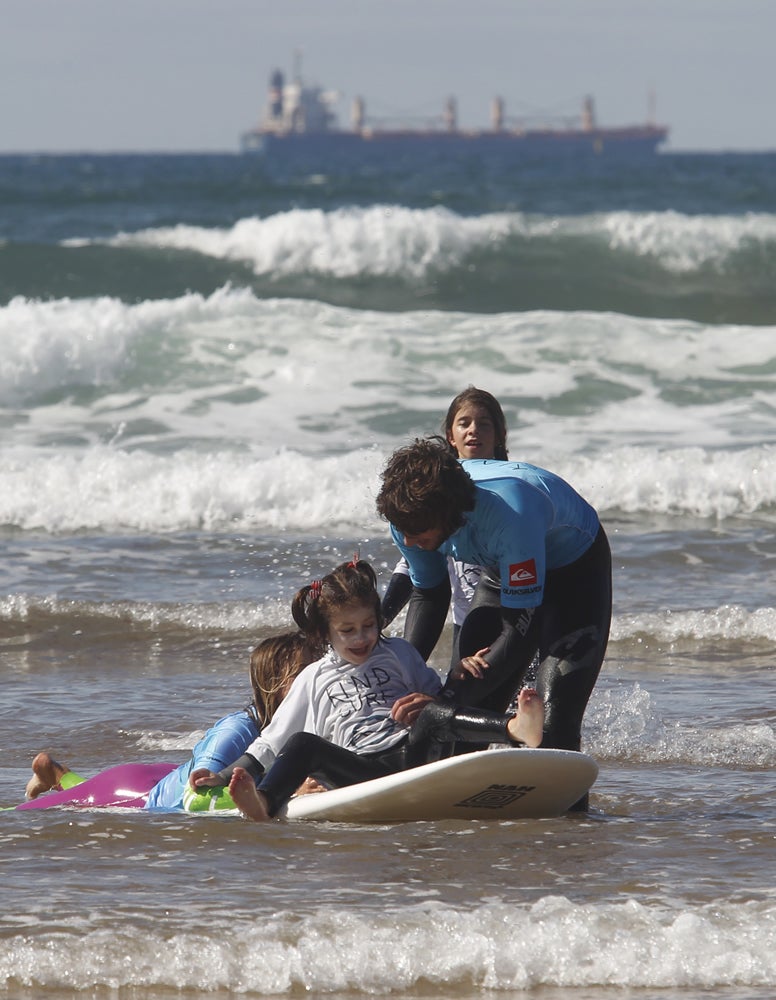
x=204, y=363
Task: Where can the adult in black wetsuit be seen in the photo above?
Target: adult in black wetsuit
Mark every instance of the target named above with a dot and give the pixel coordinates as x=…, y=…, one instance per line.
x=547, y=585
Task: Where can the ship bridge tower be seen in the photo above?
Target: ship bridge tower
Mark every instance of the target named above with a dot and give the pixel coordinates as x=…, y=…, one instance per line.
x=296, y=107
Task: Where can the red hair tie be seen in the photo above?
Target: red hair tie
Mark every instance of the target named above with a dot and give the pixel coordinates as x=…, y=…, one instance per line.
x=315, y=590
x=355, y=560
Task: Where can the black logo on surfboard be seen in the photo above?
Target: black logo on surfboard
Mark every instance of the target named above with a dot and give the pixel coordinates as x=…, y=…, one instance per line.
x=496, y=796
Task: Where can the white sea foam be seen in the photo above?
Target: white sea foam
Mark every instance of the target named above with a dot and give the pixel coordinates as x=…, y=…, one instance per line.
x=728, y=622
x=224, y=617
x=553, y=942
x=685, y=243
x=106, y=488
x=233, y=368
x=702, y=482
x=44, y=345
x=387, y=240
x=392, y=240
x=625, y=722
x=230, y=411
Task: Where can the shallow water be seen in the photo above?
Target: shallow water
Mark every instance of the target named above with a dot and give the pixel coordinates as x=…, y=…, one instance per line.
x=202, y=372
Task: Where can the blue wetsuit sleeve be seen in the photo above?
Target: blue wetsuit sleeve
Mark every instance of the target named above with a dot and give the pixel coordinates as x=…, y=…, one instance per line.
x=427, y=568
x=221, y=744
x=225, y=741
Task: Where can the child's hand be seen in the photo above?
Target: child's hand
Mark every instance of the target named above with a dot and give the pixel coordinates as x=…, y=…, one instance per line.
x=407, y=708
x=476, y=665
x=310, y=785
x=203, y=778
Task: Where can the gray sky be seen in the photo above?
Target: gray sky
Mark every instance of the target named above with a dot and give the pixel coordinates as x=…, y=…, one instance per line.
x=176, y=75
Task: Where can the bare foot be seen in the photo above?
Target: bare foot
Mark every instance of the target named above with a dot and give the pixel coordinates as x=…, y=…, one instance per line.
x=247, y=797
x=47, y=775
x=527, y=725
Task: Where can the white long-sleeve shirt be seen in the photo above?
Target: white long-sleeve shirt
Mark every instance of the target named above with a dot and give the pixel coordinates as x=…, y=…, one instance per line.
x=349, y=704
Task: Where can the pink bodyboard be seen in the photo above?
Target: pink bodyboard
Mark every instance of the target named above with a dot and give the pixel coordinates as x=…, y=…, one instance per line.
x=125, y=786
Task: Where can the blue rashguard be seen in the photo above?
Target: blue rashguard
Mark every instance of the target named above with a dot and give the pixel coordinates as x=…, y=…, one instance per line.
x=223, y=743
x=525, y=522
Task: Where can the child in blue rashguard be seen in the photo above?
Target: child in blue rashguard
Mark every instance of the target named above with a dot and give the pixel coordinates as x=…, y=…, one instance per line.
x=275, y=662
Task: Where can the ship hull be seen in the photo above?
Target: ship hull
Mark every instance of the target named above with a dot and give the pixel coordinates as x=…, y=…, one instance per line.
x=637, y=141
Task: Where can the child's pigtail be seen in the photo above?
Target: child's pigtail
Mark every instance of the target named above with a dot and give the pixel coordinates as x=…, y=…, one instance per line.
x=304, y=607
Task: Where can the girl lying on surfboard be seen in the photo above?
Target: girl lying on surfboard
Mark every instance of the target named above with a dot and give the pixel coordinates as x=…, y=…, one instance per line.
x=346, y=717
x=274, y=664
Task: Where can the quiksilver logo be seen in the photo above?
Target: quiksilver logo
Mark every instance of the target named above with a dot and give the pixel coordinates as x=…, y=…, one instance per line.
x=522, y=574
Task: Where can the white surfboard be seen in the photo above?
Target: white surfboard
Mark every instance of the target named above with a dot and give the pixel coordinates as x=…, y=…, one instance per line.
x=487, y=784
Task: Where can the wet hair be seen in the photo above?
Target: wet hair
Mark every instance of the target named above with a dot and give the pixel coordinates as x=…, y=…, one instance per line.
x=424, y=487
x=479, y=397
x=275, y=662
x=351, y=583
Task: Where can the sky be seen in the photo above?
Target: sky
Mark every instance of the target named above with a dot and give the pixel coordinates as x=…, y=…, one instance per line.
x=191, y=75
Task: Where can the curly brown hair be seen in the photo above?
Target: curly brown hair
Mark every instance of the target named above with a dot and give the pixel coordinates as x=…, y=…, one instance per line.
x=424, y=487
x=479, y=397
x=354, y=582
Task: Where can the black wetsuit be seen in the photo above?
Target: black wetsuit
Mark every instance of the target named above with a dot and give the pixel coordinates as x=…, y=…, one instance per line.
x=546, y=592
x=569, y=632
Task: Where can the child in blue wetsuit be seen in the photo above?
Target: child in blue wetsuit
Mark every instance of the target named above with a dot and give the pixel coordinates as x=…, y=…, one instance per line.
x=275, y=663
x=229, y=736
x=546, y=588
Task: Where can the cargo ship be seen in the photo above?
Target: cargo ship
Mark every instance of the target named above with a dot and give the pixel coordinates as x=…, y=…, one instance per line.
x=300, y=121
